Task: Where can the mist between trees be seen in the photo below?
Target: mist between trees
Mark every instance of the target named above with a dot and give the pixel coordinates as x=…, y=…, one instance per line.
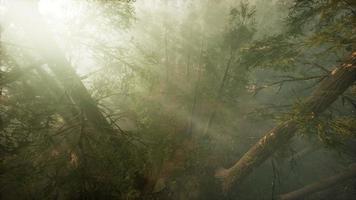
x=177, y=99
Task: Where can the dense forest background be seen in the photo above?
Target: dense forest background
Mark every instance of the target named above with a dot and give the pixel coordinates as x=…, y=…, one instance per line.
x=178, y=99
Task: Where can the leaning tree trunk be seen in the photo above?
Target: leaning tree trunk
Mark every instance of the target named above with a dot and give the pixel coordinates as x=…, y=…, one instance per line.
x=1, y=80
x=65, y=108
x=219, y=94
x=321, y=185
x=326, y=93
x=40, y=36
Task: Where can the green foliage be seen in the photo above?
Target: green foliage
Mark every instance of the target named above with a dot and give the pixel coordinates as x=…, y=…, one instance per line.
x=277, y=52
x=241, y=26
x=160, y=72
x=330, y=129
x=313, y=28
x=332, y=132
x=331, y=22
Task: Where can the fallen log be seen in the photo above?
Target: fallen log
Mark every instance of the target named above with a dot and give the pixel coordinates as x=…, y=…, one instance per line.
x=321, y=185
x=323, y=96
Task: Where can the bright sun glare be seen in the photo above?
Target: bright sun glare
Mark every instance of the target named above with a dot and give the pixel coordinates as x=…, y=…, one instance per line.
x=57, y=9
x=60, y=14
x=70, y=22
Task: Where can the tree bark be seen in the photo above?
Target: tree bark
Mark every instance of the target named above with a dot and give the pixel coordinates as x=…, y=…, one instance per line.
x=321, y=185
x=322, y=97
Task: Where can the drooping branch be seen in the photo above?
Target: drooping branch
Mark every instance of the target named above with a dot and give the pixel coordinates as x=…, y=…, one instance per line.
x=322, y=97
x=321, y=185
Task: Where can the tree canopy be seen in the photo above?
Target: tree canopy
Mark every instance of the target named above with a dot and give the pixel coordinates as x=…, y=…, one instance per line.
x=181, y=99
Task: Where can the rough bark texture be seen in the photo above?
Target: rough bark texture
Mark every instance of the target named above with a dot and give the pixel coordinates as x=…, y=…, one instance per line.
x=322, y=97
x=321, y=185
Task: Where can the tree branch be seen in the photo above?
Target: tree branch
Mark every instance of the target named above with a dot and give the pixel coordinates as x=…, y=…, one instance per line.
x=321, y=185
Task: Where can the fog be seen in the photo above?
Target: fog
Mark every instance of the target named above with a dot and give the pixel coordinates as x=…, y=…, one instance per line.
x=177, y=99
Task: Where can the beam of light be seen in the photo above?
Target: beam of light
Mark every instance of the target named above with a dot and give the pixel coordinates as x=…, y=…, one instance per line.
x=67, y=21
x=56, y=9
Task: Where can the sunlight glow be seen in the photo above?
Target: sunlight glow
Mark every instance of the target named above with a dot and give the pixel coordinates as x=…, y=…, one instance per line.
x=77, y=26
x=59, y=9
x=65, y=19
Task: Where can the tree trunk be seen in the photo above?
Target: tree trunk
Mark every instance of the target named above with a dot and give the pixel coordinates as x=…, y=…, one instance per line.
x=219, y=94
x=321, y=185
x=66, y=108
x=323, y=96
x=40, y=36
x=1, y=81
